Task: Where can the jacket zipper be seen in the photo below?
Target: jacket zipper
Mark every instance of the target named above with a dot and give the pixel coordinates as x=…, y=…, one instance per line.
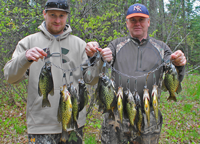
x=138, y=55
x=140, y=58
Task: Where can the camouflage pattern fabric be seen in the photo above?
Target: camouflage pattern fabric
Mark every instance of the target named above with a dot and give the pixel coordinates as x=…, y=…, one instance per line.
x=55, y=138
x=122, y=134
x=43, y=138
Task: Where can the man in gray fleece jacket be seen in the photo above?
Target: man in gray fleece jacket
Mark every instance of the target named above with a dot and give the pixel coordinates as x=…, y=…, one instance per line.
x=133, y=57
x=65, y=52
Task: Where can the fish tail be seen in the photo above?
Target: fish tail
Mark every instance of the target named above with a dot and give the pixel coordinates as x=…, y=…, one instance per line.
x=156, y=115
x=132, y=122
x=46, y=103
x=71, y=123
x=139, y=133
x=157, y=120
x=111, y=115
x=172, y=97
x=148, y=121
x=64, y=136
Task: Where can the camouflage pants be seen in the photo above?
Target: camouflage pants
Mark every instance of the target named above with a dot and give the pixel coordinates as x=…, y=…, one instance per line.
x=121, y=134
x=55, y=138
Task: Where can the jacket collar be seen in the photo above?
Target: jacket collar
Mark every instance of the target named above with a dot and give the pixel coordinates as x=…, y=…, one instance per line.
x=138, y=42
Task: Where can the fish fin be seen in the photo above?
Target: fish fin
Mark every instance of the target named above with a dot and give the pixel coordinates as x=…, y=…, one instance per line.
x=96, y=95
x=71, y=123
x=46, y=103
x=163, y=86
x=104, y=110
x=52, y=92
x=179, y=89
x=101, y=106
x=111, y=115
x=76, y=121
x=115, y=93
x=172, y=98
x=76, y=125
x=87, y=97
x=139, y=133
x=64, y=136
x=59, y=116
x=39, y=91
x=80, y=107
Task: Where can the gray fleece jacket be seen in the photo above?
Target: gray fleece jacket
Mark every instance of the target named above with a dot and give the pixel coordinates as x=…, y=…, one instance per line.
x=66, y=50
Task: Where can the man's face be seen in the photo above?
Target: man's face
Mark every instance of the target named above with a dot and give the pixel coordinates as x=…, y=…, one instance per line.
x=55, y=21
x=138, y=27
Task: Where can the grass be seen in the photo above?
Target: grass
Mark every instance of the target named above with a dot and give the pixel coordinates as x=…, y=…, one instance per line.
x=181, y=119
x=90, y=139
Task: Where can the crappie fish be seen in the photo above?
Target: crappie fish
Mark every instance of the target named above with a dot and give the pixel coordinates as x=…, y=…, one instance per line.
x=130, y=107
x=75, y=104
x=139, y=111
x=146, y=100
x=154, y=95
x=106, y=91
x=120, y=102
x=45, y=84
x=65, y=111
x=171, y=82
x=83, y=94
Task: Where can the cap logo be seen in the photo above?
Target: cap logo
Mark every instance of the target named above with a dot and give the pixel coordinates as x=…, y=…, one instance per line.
x=137, y=8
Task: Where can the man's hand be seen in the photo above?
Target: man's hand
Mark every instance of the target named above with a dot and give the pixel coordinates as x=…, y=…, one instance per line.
x=35, y=54
x=178, y=58
x=91, y=48
x=106, y=54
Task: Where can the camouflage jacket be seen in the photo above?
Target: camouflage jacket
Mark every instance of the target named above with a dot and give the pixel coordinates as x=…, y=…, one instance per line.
x=134, y=59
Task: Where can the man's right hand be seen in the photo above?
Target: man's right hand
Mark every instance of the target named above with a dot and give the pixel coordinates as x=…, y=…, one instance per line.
x=106, y=54
x=35, y=54
x=91, y=48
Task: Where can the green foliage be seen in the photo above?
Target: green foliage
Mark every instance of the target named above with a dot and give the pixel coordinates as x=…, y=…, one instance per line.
x=73, y=137
x=153, y=34
x=93, y=122
x=99, y=26
x=90, y=139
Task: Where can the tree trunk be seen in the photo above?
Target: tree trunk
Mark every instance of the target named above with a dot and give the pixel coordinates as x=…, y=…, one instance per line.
x=163, y=31
x=153, y=15
x=144, y=2
x=185, y=33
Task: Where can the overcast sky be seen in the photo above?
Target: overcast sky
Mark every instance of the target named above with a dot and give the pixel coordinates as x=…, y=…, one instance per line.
x=196, y=3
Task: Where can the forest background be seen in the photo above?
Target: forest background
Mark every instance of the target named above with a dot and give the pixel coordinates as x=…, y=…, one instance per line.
x=176, y=22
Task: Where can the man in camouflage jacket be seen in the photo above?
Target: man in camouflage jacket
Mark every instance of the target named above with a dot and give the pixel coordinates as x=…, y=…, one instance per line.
x=137, y=55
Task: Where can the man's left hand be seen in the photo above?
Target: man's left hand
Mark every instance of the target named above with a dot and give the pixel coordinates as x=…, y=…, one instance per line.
x=91, y=48
x=178, y=58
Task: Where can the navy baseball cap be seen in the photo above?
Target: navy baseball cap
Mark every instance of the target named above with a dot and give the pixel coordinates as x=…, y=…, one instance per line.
x=137, y=10
x=57, y=5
